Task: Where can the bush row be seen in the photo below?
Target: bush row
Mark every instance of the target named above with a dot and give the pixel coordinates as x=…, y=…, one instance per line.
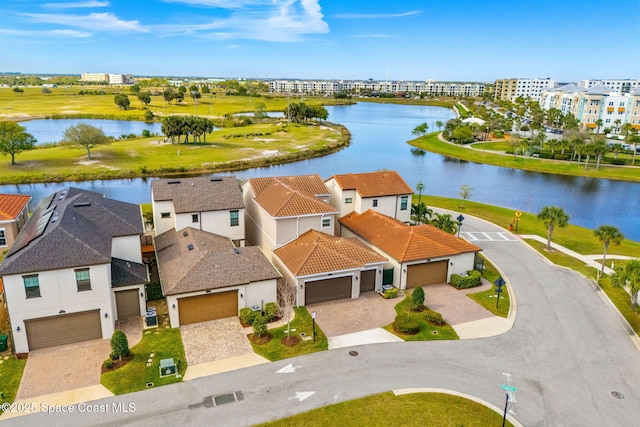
x=248, y=316
x=471, y=280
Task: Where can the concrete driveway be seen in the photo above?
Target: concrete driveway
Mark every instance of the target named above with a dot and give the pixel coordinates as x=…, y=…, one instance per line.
x=214, y=340
x=454, y=304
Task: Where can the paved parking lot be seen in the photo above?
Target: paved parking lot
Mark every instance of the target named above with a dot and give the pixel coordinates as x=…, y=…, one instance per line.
x=214, y=340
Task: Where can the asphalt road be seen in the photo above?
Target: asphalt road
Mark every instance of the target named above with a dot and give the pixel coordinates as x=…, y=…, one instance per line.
x=567, y=353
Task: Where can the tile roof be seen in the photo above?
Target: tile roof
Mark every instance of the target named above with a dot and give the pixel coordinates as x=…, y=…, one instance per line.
x=1, y=286
x=200, y=194
x=280, y=199
x=374, y=184
x=71, y=228
x=127, y=273
x=191, y=260
x=315, y=252
x=404, y=242
x=311, y=184
x=11, y=205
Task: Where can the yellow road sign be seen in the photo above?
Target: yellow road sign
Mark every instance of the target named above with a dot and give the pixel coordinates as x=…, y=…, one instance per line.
x=518, y=214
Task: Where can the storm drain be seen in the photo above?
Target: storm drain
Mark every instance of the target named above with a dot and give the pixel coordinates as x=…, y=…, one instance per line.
x=617, y=395
x=353, y=353
x=221, y=399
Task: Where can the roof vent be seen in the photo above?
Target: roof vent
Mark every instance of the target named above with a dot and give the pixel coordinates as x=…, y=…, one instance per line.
x=173, y=182
x=216, y=179
x=190, y=246
x=54, y=218
x=185, y=233
x=237, y=252
x=81, y=204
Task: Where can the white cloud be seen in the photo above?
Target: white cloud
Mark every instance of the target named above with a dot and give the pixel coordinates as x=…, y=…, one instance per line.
x=77, y=5
x=222, y=4
x=376, y=15
x=92, y=21
x=51, y=33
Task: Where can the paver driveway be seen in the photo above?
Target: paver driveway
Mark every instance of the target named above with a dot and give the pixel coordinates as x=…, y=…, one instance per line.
x=454, y=304
x=214, y=340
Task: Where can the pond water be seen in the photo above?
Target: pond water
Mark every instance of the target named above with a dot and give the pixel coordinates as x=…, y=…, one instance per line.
x=52, y=130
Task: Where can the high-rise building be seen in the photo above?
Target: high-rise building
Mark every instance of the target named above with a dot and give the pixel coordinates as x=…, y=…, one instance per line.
x=510, y=89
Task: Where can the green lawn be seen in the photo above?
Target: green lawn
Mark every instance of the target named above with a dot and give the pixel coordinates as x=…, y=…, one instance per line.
x=563, y=259
x=431, y=143
x=444, y=103
x=386, y=409
x=275, y=350
x=487, y=299
x=428, y=332
x=10, y=375
x=134, y=376
x=493, y=145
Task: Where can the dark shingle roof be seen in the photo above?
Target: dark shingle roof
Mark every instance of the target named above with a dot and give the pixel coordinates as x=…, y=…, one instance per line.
x=71, y=228
x=192, y=260
x=126, y=273
x=200, y=194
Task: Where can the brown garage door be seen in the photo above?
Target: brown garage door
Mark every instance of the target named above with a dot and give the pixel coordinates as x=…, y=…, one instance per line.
x=63, y=329
x=127, y=304
x=428, y=273
x=207, y=307
x=327, y=290
x=368, y=281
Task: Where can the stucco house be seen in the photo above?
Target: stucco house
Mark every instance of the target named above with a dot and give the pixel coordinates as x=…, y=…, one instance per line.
x=280, y=209
x=205, y=277
x=211, y=204
x=325, y=268
x=419, y=256
x=13, y=216
x=75, y=268
x=384, y=192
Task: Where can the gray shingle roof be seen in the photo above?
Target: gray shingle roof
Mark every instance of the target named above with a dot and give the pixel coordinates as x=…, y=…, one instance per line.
x=212, y=262
x=200, y=194
x=71, y=228
x=126, y=273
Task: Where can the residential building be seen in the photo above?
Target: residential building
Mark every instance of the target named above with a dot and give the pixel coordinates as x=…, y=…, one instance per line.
x=14, y=214
x=280, y=209
x=613, y=85
x=205, y=277
x=325, y=268
x=384, y=192
x=94, y=77
x=418, y=255
x=75, y=268
x=211, y=204
x=510, y=89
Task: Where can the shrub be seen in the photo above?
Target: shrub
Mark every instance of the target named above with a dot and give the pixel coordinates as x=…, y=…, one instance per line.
x=247, y=316
x=260, y=325
x=470, y=280
x=119, y=344
x=407, y=325
x=108, y=364
x=546, y=155
x=153, y=290
x=434, y=317
x=271, y=311
x=390, y=293
x=417, y=296
x=617, y=161
x=558, y=156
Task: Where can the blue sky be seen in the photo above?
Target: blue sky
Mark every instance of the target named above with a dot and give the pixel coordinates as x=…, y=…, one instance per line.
x=465, y=40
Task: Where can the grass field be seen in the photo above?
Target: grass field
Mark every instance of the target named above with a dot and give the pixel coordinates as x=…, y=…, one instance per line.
x=10, y=376
x=431, y=143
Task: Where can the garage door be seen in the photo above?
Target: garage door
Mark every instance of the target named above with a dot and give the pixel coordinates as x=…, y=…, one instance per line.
x=63, y=329
x=127, y=304
x=368, y=281
x=428, y=273
x=327, y=290
x=208, y=307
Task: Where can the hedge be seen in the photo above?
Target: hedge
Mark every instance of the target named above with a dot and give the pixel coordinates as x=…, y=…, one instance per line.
x=472, y=279
x=390, y=293
x=434, y=317
x=407, y=325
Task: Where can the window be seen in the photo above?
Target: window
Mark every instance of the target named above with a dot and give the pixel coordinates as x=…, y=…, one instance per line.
x=165, y=215
x=194, y=218
x=31, y=286
x=326, y=222
x=375, y=202
x=83, y=279
x=404, y=202
x=348, y=200
x=3, y=238
x=611, y=103
x=233, y=218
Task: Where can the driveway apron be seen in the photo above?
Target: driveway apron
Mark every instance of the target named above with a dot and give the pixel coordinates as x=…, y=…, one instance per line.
x=214, y=340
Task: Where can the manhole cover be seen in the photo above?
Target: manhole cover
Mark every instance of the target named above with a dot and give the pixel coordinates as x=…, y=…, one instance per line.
x=353, y=353
x=617, y=395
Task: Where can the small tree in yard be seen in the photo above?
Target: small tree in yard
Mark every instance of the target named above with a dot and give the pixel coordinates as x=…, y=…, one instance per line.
x=260, y=325
x=465, y=193
x=417, y=296
x=286, y=301
x=119, y=344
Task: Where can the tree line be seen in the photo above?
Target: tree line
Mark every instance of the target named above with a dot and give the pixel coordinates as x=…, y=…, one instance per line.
x=174, y=127
x=301, y=112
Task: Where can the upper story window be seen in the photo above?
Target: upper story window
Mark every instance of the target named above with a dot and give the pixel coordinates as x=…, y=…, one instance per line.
x=610, y=102
x=404, y=203
x=326, y=222
x=31, y=286
x=165, y=215
x=234, y=218
x=195, y=218
x=83, y=279
x=348, y=200
x=375, y=202
x=3, y=238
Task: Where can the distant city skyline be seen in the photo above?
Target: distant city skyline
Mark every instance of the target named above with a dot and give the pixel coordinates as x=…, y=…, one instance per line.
x=316, y=39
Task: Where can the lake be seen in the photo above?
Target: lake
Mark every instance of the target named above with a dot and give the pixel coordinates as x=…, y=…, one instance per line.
x=49, y=130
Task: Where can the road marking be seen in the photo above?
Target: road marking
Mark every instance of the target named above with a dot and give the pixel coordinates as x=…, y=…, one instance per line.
x=489, y=236
x=289, y=369
x=302, y=395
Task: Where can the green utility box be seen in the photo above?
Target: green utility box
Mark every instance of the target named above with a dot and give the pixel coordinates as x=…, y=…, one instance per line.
x=167, y=367
x=3, y=342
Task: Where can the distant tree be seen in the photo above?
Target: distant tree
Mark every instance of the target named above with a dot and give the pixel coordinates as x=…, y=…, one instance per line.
x=14, y=139
x=420, y=130
x=439, y=124
x=205, y=89
x=135, y=89
x=46, y=90
x=608, y=234
x=629, y=277
x=168, y=95
x=598, y=124
x=119, y=345
x=465, y=192
x=553, y=216
x=462, y=135
x=122, y=101
x=18, y=91
x=600, y=148
x=148, y=116
x=144, y=98
x=86, y=136
x=445, y=223
x=260, y=112
x=617, y=123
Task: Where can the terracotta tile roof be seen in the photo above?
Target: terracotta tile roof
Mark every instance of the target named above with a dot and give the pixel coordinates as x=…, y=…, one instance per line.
x=279, y=199
x=404, y=242
x=1, y=286
x=311, y=184
x=374, y=184
x=200, y=194
x=11, y=205
x=314, y=253
x=192, y=260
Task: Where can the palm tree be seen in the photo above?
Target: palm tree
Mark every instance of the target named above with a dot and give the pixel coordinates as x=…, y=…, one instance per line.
x=420, y=213
x=445, y=223
x=419, y=187
x=439, y=124
x=599, y=124
x=628, y=276
x=608, y=234
x=617, y=123
x=552, y=216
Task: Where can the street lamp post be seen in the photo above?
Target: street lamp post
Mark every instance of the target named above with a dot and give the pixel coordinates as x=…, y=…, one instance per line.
x=460, y=219
x=313, y=322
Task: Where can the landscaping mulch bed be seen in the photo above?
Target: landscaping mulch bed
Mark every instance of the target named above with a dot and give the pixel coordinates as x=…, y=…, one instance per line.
x=117, y=363
x=290, y=341
x=257, y=339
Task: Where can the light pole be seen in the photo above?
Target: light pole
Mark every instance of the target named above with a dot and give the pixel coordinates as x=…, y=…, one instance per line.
x=313, y=322
x=460, y=219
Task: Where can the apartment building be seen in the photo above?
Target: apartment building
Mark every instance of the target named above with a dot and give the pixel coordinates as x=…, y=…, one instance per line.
x=614, y=85
x=510, y=89
x=112, y=79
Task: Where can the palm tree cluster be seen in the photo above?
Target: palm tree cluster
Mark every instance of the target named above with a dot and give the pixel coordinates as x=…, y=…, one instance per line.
x=301, y=112
x=175, y=126
x=421, y=214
